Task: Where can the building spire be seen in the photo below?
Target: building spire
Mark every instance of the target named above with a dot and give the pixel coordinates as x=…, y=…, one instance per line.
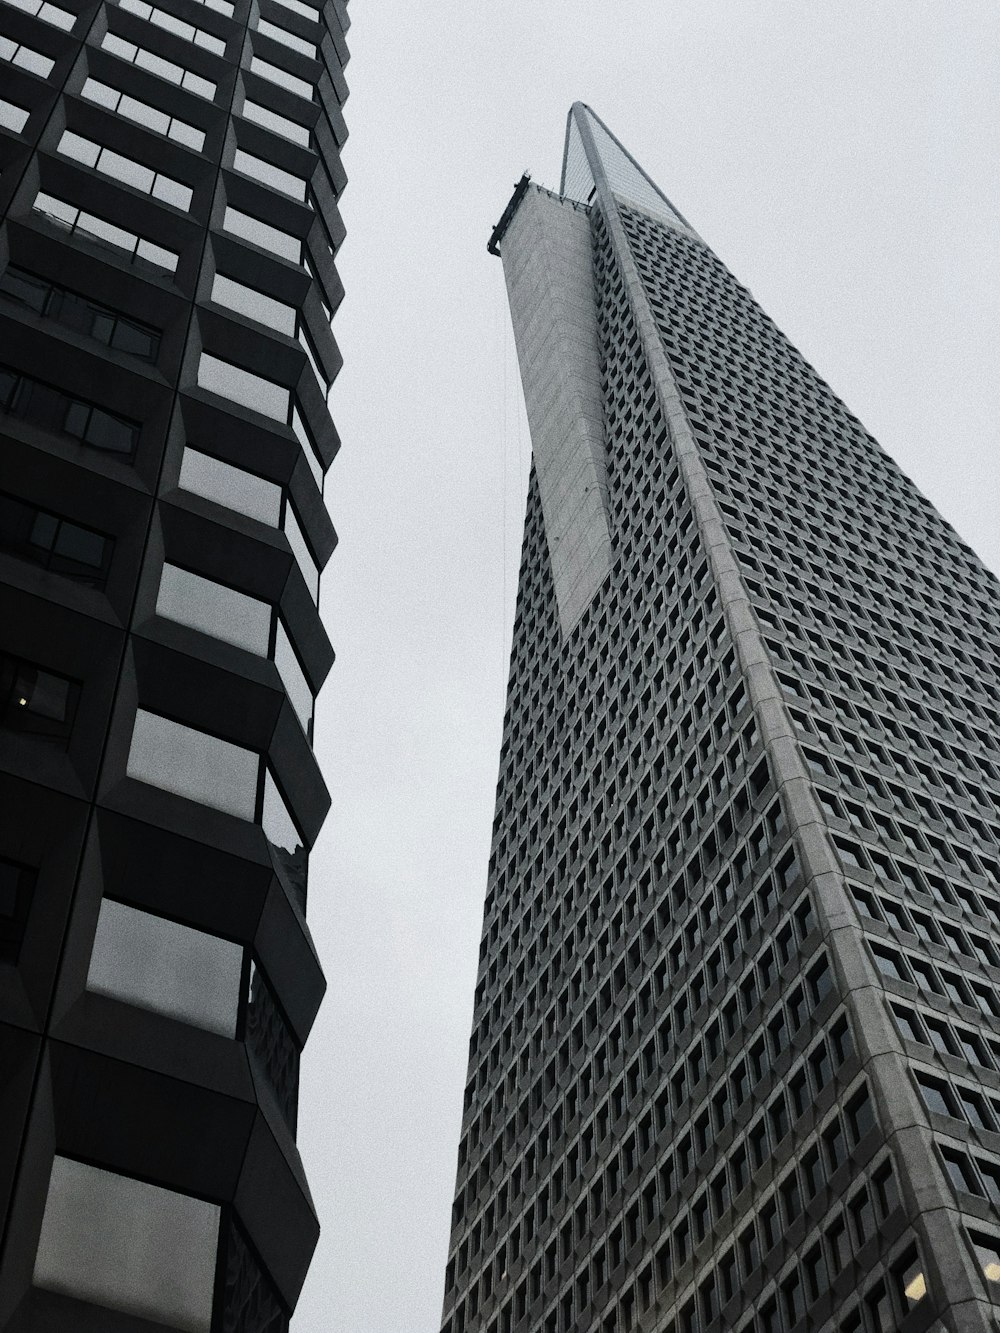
x=592, y=151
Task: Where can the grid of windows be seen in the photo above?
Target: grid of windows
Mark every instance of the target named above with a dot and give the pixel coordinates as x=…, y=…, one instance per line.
x=667, y=1119
x=161, y=548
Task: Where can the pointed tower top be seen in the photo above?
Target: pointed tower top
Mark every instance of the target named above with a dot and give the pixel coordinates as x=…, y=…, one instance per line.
x=590, y=149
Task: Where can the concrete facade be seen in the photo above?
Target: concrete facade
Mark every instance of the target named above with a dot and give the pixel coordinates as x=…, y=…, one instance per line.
x=734, y=1063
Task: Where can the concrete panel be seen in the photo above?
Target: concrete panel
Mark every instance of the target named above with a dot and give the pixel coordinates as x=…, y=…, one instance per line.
x=548, y=268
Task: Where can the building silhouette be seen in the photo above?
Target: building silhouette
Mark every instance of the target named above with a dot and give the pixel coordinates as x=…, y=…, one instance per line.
x=736, y=1052
x=169, y=180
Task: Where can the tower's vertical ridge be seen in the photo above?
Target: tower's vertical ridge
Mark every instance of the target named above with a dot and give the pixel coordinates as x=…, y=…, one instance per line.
x=882, y=1058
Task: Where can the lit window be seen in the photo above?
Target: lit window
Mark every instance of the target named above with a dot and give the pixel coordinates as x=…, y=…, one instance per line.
x=35, y=701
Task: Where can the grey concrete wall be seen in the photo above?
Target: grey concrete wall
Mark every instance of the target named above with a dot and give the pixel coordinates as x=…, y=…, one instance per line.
x=548, y=268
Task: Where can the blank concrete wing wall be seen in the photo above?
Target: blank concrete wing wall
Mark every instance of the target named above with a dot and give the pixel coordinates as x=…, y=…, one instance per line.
x=548, y=267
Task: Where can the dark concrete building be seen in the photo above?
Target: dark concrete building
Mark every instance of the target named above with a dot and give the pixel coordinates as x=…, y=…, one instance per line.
x=169, y=178
x=736, y=1052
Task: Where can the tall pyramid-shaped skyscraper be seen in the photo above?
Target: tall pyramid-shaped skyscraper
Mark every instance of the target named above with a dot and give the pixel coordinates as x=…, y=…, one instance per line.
x=736, y=1054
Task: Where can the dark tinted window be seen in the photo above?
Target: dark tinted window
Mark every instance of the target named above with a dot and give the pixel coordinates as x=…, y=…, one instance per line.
x=78, y=312
x=16, y=885
x=54, y=410
x=54, y=543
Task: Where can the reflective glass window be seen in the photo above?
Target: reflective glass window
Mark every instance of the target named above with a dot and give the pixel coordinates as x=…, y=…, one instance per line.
x=214, y=609
x=243, y=387
x=268, y=174
x=156, y=64
x=263, y=234
x=127, y=1245
x=286, y=38
x=131, y=108
x=231, y=486
x=55, y=543
x=294, y=678
x=275, y=74
x=167, y=968
x=25, y=57
x=254, y=304
x=47, y=12
x=271, y=120
x=12, y=117
x=194, y=764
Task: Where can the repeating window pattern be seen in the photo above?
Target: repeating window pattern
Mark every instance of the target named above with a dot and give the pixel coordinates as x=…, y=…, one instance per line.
x=656, y=1024
x=665, y=1118
x=85, y=256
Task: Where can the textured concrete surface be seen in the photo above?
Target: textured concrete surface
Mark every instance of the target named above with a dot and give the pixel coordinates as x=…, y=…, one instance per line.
x=548, y=268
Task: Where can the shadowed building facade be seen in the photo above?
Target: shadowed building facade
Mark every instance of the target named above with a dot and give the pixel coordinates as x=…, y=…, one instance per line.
x=169, y=177
x=735, y=1062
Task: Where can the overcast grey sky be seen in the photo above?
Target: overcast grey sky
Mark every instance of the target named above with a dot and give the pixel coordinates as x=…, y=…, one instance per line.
x=841, y=156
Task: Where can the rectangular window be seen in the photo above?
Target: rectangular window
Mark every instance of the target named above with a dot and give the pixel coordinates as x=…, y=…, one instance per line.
x=266, y=173
x=304, y=437
x=54, y=410
x=75, y=219
x=254, y=304
x=167, y=70
x=125, y=169
x=25, y=57
x=231, y=486
x=194, y=764
x=153, y=1255
x=54, y=543
x=303, y=11
x=17, y=887
x=294, y=678
x=12, y=116
x=162, y=18
x=275, y=74
x=214, y=609
x=278, y=34
x=288, y=129
x=47, y=12
x=166, y=968
x=243, y=387
x=35, y=701
x=86, y=316
x=143, y=114
x=303, y=555
x=263, y=234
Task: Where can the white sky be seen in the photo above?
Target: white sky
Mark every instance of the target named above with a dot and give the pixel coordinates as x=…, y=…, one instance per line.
x=841, y=156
